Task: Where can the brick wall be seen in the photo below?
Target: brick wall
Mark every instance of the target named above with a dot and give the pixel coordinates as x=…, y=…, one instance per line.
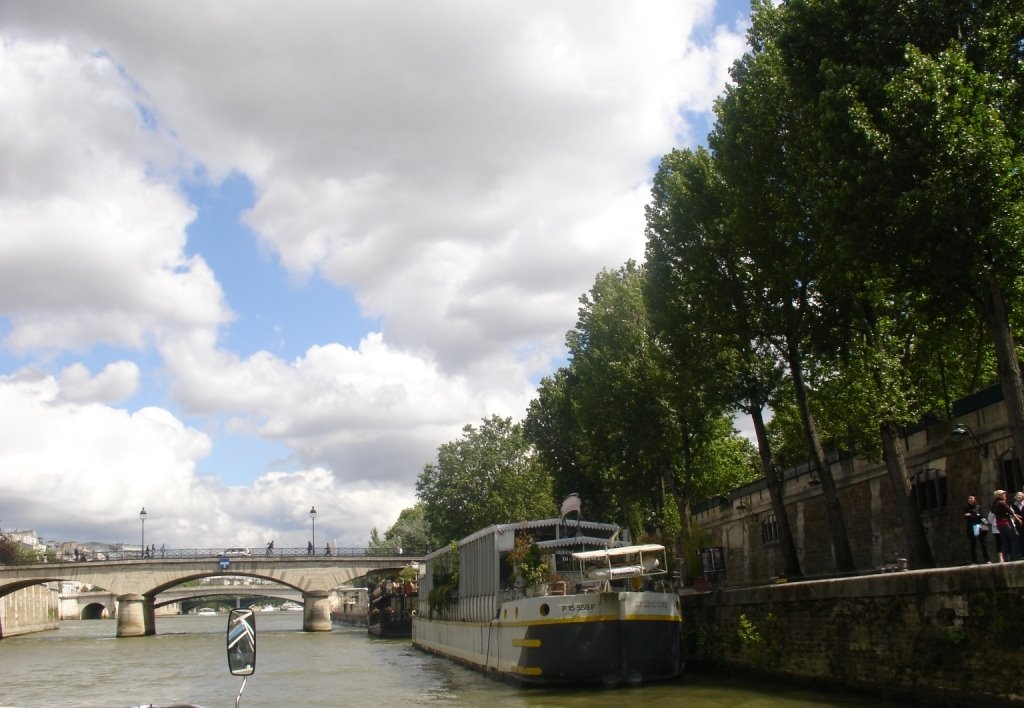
x=931, y=636
x=867, y=498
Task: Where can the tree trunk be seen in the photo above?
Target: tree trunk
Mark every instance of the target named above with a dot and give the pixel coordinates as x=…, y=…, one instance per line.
x=1008, y=365
x=833, y=510
x=789, y=553
x=683, y=495
x=920, y=553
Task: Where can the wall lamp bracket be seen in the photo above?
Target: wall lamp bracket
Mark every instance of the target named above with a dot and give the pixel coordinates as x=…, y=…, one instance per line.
x=962, y=430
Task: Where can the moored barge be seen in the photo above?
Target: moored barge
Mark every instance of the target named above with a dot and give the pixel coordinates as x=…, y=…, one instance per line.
x=605, y=613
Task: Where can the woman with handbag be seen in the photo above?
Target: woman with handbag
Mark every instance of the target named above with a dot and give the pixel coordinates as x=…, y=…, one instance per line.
x=1006, y=525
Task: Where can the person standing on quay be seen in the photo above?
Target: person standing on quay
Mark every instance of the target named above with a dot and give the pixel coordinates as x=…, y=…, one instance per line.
x=977, y=530
x=997, y=538
x=1006, y=521
x=1018, y=507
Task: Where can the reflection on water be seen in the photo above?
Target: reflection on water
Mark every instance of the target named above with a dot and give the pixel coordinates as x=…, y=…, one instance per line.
x=82, y=664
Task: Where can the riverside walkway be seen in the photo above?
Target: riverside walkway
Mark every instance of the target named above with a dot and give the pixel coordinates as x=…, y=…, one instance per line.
x=137, y=582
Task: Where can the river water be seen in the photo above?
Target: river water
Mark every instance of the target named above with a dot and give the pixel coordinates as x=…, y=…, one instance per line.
x=83, y=664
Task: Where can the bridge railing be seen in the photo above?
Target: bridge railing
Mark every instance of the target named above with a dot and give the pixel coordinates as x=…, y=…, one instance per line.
x=211, y=553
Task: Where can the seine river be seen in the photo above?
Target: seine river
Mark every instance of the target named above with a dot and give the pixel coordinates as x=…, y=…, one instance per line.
x=83, y=664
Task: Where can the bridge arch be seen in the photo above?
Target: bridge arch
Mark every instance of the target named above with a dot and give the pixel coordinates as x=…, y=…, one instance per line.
x=93, y=610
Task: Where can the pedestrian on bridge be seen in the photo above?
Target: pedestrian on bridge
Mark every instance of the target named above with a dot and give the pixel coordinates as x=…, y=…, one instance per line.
x=309, y=548
x=327, y=549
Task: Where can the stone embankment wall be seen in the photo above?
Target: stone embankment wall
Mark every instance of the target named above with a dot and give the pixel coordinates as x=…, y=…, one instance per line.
x=32, y=609
x=938, y=637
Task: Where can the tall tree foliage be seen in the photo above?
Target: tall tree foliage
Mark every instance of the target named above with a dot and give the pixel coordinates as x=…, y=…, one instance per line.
x=554, y=429
x=701, y=305
x=763, y=149
x=488, y=476
x=411, y=531
x=916, y=182
x=918, y=116
x=622, y=394
x=618, y=423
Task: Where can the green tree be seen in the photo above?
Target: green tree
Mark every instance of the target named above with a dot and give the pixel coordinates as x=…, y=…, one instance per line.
x=411, y=532
x=553, y=428
x=620, y=426
x=915, y=187
x=488, y=476
x=9, y=551
x=919, y=135
x=700, y=304
x=623, y=398
x=763, y=149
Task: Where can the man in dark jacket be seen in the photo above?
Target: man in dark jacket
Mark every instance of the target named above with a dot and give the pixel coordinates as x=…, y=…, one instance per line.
x=977, y=529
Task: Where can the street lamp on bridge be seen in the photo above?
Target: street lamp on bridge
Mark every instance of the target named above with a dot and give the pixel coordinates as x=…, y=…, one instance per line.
x=142, y=518
x=312, y=516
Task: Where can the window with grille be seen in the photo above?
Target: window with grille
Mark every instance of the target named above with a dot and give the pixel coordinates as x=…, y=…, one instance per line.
x=1009, y=474
x=930, y=489
x=769, y=530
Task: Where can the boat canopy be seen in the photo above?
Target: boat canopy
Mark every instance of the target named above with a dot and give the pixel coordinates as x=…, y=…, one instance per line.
x=623, y=562
x=569, y=541
x=621, y=551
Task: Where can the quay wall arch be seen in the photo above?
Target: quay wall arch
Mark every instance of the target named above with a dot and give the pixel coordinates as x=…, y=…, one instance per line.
x=94, y=610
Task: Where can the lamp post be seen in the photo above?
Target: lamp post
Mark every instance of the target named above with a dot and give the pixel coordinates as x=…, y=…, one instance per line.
x=142, y=518
x=312, y=516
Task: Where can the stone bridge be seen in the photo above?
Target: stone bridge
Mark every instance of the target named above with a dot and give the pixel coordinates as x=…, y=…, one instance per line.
x=93, y=605
x=281, y=592
x=137, y=583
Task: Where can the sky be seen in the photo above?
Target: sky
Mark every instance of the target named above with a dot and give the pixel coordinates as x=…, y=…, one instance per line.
x=257, y=257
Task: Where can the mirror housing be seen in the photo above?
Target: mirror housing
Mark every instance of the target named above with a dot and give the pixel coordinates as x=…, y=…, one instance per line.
x=242, y=642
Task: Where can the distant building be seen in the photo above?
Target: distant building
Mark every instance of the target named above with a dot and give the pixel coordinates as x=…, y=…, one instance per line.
x=27, y=541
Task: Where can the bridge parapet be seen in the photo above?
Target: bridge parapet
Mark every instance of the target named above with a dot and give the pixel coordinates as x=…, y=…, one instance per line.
x=134, y=554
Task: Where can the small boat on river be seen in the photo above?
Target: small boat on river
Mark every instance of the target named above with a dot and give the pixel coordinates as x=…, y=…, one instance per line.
x=605, y=613
x=352, y=608
x=392, y=605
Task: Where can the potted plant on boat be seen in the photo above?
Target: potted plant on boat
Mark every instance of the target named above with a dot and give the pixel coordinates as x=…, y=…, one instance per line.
x=529, y=564
x=445, y=588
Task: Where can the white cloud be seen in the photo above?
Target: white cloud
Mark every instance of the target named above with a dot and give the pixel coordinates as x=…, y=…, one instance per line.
x=88, y=465
x=85, y=470
x=118, y=381
x=374, y=413
x=464, y=169
x=386, y=141
x=92, y=247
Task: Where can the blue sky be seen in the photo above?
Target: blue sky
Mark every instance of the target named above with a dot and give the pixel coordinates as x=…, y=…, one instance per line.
x=281, y=268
